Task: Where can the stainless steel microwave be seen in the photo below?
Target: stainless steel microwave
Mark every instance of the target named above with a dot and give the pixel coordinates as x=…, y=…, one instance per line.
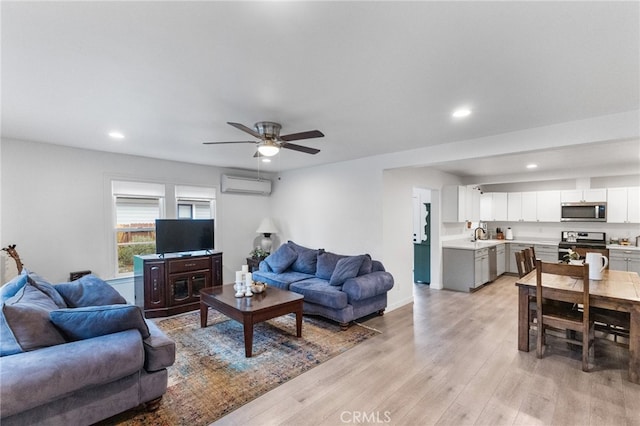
x=583, y=212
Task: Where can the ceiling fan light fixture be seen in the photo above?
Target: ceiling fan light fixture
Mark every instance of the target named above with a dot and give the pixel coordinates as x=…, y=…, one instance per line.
x=268, y=149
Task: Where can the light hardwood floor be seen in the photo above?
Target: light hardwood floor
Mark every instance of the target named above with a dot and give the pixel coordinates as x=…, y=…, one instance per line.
x=452, y=359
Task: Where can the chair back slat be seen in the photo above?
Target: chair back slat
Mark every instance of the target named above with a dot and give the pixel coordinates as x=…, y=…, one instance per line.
x=520, y=263
x=529, y=259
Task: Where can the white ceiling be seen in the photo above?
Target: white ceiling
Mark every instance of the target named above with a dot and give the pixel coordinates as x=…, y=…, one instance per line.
x=374, y=77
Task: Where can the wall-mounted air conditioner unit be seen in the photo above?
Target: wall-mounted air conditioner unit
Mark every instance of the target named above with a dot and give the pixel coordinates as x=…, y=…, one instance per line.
x=245, y=185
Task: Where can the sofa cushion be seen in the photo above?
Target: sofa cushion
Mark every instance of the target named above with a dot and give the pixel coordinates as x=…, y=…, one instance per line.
x=280, y=280
x=93, y=321
x=327, y=262
x=39, y=377
x=307, y=259
x=346, y=268
x=89, y=290
x=159, y=350
x=27, y=315
x=47, y=288
x=317, y=290
x=281, y=259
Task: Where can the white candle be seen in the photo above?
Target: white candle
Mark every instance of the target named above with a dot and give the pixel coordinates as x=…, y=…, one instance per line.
x=238, y=276
x=245, y=268
x=249, y=279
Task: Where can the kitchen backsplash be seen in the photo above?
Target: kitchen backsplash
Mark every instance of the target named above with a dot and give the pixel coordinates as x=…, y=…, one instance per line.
x=553, y=230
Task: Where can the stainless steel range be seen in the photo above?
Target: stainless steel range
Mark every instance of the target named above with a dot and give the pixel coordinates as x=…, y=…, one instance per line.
x=583, y=240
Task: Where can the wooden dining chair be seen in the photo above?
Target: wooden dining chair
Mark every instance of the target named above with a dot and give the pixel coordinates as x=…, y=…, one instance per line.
x=520, y=263
x=559, y=316
x=529, y=259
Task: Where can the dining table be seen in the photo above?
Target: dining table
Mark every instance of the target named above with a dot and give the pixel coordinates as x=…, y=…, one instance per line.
x=617, y=290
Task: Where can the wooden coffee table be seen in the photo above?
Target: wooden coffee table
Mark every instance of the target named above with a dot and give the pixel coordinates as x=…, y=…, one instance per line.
x=271, y=303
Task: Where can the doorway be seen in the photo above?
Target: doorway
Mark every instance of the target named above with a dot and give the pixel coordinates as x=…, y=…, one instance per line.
x=422, y=236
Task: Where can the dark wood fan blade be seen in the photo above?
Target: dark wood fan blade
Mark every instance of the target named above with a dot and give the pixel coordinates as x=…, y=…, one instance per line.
x=302, y=135
x=220, y=143
x=245, y=129
x=300, y=148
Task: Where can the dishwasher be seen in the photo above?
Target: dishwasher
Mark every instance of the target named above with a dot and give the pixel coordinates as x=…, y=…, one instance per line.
x=493, y=264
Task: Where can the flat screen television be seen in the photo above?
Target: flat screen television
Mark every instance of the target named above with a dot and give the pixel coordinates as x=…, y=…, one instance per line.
x=183, y=235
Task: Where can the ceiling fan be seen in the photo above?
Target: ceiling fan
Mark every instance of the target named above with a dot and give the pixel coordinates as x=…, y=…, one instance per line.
x=270, y=139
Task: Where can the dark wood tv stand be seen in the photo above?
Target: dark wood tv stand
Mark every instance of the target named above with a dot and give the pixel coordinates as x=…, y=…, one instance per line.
x=170, y=284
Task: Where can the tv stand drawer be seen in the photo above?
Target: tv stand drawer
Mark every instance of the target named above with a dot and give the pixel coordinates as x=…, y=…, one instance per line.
x=189, y=264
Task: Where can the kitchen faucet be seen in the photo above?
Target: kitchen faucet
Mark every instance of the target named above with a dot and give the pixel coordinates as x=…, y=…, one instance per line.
x=475, y=233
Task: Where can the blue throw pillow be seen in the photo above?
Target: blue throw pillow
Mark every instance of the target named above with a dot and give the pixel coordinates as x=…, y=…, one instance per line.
x=281, y=259
x=94, y=321
x=27, y=317
x=367, y=264
x=327, y=262
x=47, y=288
x=89, y=290
x=307, y=259
x=12, y=287
x=346, y=268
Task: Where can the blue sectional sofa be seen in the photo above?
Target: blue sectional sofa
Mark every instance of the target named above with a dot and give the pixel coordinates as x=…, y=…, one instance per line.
x=76, y=353
x=341, y=288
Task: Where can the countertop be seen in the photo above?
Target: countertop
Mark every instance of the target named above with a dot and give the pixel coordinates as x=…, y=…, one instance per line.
x=621, y=247
x=467, y=244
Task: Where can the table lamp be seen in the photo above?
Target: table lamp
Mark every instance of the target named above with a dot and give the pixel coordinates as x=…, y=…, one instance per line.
x=266, y=228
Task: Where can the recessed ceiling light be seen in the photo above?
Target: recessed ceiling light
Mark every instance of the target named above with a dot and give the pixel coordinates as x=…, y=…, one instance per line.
x=266, y=160
x=461, y=112
x=531, y=166
x=116, y=135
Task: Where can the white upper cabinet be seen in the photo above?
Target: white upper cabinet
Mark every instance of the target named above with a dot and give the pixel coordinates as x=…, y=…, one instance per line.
x=584, y=195
x=454, y=203
x=460, y=203
x=623, y=205
x=522, y=207
x=548, y=206
x=493, y=206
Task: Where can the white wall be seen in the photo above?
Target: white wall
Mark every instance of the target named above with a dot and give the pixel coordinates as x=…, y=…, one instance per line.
x=57, y=208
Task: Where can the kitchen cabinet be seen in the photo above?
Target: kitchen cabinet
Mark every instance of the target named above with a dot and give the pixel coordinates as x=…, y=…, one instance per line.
x=624, y=260
x=501, y=259
x=460, y=203
x=464, y=270
x=546, y=252
x=481, y=267
x=623, y=205
x=512, y=267
x=583, y=195
x=548, y=206
x=493, y=206
x=522, y=206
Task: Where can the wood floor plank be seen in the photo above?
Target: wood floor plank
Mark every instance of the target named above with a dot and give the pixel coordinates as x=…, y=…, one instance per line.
x=452, y=359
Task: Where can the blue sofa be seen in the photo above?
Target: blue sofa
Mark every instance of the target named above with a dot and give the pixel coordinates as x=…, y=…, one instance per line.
x=76, y=353
x=341, y=288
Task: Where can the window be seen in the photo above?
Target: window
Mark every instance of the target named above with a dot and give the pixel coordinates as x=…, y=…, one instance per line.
x=195, y=202
x=137, y=206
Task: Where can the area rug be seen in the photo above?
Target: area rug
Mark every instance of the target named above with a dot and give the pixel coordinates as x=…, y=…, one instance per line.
x=211, y=376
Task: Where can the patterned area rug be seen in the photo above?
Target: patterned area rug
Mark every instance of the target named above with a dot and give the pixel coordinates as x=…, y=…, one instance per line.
x=211, y=376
